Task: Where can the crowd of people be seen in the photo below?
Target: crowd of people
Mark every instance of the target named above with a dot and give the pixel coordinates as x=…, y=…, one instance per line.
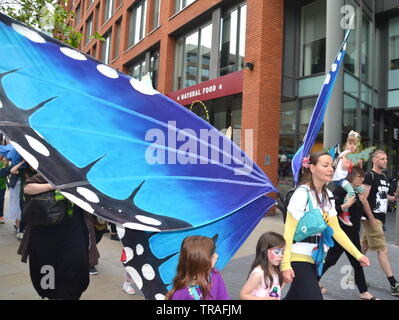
x=298, y=258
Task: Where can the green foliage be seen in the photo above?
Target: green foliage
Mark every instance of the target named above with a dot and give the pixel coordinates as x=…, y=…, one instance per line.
x=47, y=15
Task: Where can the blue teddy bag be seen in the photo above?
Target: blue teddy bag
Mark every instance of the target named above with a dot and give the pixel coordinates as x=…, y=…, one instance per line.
x=311, y=223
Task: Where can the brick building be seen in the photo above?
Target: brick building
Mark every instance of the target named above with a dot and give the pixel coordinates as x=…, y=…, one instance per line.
x=258, y=64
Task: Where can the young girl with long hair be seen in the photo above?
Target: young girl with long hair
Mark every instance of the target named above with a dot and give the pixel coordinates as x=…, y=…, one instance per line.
x=265, y=280
x=298, y=265
x=197, y=278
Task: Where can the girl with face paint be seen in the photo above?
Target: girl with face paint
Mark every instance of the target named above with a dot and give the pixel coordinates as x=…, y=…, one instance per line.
x=265, y=280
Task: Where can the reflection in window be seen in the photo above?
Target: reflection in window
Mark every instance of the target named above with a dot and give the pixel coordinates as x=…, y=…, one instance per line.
x=288, y=117
x=232, y=40
x=181, y=4
x=137, y=70
x=349, y=116
x=117, y=40
x=366, y=50
x=77, y=16
x=154, y=66
x=393, y=82
x=351, y=62
x=307, y=106
x=89, y=29
x=313, y=38
x=192, y=58
x=156, y=13
x=106, y=47
x=108, y=10
x=365, y=114
x=137, y=22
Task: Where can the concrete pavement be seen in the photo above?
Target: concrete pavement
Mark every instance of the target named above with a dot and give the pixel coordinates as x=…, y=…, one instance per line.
x=107, y=285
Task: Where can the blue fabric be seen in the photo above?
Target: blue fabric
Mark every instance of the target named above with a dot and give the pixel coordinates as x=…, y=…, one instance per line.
x=9, y=152
x=319, y=254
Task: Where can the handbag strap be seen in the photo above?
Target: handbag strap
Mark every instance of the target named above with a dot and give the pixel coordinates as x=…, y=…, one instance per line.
x=309, y=199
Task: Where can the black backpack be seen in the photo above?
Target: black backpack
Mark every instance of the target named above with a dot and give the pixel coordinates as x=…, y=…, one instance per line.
x=284, y=201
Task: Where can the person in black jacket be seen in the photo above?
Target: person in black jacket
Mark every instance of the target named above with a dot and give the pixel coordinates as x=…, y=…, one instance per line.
x=355, y=208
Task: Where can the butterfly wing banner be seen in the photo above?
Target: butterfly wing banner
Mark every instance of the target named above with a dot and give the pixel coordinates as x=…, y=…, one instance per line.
x=317, y=117
x=123, y=151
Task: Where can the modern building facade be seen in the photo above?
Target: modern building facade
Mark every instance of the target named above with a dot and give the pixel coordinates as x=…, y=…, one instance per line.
x=259, y=65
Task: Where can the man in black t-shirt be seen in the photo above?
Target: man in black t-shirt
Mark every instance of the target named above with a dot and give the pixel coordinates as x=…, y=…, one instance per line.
x=376, y=190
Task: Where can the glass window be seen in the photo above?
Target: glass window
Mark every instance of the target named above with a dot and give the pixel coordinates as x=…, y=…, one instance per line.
x=351, y=84
x=307, y=106
x=137, y=23
x=154, y=67
x=288, y=117
x=192, y=58
x=232, y=40
x=393, y=82
x=351, y=62
x=77, y=16
x=181, y=4
x=205, y=53
x=313, y=50
x=349, y=116
x=365, y=114
x=156, y=13
x=108, y=10
x=365, y=50
x=89, y=29
x=117, y=39
x=106, y=47
x=137, y=70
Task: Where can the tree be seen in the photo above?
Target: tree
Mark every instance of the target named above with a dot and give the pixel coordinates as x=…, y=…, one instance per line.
x=49, y=16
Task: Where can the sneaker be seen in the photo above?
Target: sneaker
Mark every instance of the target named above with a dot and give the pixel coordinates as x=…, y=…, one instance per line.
x=93, y=270
x=128, y=288
x=395, y=290
x=344, y=217
x=2, y=220
x=20, y=235
x=114, y=237
x=363, y=218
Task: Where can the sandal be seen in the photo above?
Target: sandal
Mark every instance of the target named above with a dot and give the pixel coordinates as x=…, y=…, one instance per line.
x=371, y=298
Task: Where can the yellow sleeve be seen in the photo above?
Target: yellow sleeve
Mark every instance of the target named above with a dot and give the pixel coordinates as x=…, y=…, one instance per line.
x=341, y=237
x=289, y=232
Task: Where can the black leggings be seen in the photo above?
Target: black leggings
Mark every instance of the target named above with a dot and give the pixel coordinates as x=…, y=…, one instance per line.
x=305, y=285
x=335, y=253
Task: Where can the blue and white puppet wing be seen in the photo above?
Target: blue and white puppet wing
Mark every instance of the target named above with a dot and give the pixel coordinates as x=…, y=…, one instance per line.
x=317, y=117
x=114, y=146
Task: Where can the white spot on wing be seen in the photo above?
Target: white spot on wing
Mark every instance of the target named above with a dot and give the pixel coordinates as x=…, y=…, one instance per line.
x=137, y=226
x=160, y=296
x=37, y=146
x=148, y=272
x=83, y=204
x=107, y=71
x=139, y=249
x=28, y=33
x=73, y=54
x=135, y=276
x=121, y=231
x=88, y=194
x=142, y=87
x=328, y=78
x=129, y=254
x=148, y=220
x=26, y=155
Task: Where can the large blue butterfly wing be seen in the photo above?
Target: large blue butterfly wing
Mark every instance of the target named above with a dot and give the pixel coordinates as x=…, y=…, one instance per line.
x=112, y=145
x=151, y=258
